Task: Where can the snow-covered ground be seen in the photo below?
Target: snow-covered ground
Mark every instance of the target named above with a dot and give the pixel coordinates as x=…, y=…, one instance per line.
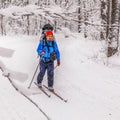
x=92, y=89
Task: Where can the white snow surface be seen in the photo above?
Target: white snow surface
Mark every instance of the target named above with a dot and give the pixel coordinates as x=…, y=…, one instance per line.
x=92, y=88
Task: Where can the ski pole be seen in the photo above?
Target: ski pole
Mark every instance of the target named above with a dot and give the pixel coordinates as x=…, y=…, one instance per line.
x=35, y=72
x=33, y=76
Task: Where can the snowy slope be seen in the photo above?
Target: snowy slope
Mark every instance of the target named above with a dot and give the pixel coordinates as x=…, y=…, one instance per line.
x=92, y=89
x=13, y=106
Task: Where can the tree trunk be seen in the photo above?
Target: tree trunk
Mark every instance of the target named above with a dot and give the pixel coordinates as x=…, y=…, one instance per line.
x=55, y=26
x=3, y=4
x=79, y=16
x=112, y=31
x=85, y=17
x=28, y=25
x=103, y=19
x=1, y=24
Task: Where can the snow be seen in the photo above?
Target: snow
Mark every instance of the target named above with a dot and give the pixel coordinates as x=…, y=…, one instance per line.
x=13, y=106
x=92, y=88
x=13, y=11
x=16, y=11
x=6, y=52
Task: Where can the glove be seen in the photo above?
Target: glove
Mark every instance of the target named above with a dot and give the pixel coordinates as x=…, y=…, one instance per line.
x=43, y=52
x=58, y=63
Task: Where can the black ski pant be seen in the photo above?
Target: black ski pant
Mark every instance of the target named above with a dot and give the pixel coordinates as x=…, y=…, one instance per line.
x=49, y=67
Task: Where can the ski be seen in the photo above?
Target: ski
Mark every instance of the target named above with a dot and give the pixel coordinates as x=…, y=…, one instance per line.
x=55, y=94
x=43, y=90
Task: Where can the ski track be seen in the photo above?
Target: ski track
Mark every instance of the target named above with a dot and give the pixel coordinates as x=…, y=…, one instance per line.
x=5, y=104
x=10, y=107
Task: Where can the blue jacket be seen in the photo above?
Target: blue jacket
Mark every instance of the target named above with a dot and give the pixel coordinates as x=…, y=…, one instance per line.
x=48, y=51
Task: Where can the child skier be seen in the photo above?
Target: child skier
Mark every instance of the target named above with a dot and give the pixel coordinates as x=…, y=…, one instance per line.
x=48, y=51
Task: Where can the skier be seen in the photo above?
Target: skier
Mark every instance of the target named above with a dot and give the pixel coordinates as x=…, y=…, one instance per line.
x=49, y=52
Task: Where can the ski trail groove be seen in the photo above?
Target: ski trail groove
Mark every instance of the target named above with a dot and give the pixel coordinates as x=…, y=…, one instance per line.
x=34, y=103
